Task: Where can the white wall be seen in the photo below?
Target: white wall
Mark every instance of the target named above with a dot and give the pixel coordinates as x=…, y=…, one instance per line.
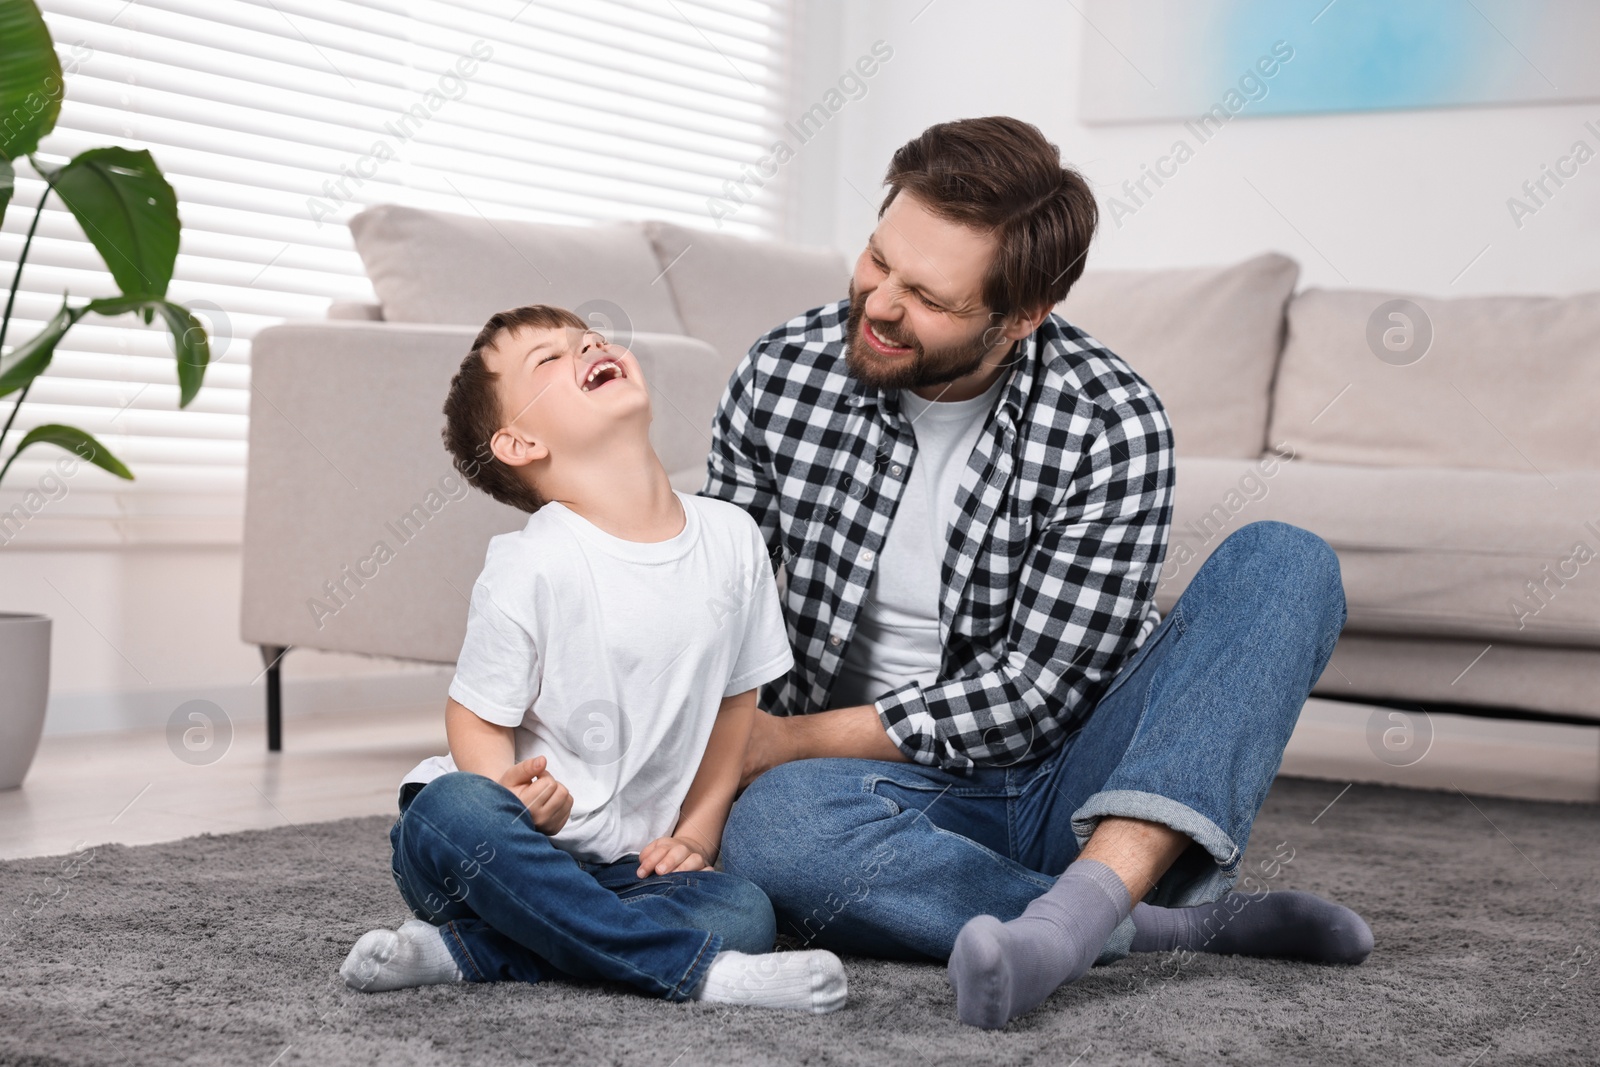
x=139, y=630
x=1400, y=200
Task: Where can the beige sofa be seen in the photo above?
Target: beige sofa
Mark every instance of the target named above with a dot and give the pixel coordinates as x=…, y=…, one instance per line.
x=1453, y=488
x=1460, y=488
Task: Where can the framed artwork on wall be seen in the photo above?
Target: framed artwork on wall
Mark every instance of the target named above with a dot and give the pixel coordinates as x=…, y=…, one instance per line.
x=1156, y=60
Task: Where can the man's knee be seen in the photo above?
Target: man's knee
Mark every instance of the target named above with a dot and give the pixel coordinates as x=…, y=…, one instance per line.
x=1294, y=543
x=1308, y=564
x=1313, y=569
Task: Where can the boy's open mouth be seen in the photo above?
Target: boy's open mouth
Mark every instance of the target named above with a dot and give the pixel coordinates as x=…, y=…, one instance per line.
x=604, y=371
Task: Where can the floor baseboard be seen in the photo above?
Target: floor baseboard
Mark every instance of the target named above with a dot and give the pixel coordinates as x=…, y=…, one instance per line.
x=101, y=712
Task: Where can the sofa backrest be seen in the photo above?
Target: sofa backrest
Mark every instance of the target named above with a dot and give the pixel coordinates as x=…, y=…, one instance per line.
x=1207, y=339
x=731, y=290
x=1496, y=383
x=651, y=277
x=436, y=267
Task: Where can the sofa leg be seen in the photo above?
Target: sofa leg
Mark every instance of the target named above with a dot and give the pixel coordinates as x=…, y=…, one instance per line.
x=272, y=656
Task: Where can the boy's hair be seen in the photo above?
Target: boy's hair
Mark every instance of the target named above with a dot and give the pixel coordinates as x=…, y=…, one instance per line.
x=1001, y=176
x=472, y=412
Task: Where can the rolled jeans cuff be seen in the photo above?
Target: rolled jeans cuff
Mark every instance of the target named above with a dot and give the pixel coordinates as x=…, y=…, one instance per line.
x=1196, y=877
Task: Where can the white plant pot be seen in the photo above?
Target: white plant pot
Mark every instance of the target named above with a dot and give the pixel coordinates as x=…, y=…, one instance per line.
x=24, y=692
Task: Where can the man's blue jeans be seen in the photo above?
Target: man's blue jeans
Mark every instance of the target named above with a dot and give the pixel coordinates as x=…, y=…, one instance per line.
x=512, y=906
x=892, y=859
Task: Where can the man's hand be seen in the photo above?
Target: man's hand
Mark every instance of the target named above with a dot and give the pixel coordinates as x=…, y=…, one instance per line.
x=546, y=799
x=667, y=854
x=768, y=747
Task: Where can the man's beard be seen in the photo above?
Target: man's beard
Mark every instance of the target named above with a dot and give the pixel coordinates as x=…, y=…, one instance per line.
x=921, y=369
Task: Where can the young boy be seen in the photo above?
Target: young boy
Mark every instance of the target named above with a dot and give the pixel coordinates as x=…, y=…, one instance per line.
x=600, y=709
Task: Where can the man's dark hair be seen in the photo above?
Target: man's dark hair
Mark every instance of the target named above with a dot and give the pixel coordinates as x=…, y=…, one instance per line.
x=472, y=413
x=999, y=175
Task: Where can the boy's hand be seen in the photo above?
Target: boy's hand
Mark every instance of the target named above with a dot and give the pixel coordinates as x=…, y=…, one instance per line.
x=665, y=855
x=546, y=799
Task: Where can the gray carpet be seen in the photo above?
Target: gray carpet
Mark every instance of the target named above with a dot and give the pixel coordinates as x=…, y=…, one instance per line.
x=223, y=950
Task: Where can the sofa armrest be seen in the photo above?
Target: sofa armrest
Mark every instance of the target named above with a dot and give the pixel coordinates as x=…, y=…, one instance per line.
x=359, y=535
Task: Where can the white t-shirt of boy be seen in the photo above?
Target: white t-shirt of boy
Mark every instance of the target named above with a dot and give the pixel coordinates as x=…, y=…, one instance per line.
x=610, y=659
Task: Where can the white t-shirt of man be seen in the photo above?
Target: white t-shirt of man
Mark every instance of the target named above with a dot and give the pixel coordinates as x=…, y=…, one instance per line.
x=897, y=637
x=611, y=657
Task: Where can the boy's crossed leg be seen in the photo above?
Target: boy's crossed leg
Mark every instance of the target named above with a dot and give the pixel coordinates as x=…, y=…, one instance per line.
x=496, y=900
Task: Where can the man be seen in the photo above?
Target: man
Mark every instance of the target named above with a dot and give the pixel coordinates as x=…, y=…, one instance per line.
x=992, y=750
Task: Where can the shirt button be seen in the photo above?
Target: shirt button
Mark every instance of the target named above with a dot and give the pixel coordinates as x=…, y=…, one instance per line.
x=896, y=469
x=868, y=556
x=835, y=641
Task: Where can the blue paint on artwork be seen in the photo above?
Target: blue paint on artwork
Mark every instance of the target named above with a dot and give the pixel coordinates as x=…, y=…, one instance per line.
x=1179, y=59
x=1367, y=54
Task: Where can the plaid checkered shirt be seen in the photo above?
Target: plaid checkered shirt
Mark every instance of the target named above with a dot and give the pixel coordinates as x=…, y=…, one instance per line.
x=1049, y=575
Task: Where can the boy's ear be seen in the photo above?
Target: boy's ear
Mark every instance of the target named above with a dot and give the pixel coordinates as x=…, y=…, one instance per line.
x=515, y=449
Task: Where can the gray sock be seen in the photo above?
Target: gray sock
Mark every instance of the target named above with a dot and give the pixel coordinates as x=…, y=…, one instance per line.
x=1002, y=970
x=1287, y=924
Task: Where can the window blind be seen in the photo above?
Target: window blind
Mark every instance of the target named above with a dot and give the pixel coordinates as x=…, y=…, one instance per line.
x=277, y=120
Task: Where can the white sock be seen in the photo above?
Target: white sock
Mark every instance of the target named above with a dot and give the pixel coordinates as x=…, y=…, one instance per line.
x=397, y=959
x=812, y=981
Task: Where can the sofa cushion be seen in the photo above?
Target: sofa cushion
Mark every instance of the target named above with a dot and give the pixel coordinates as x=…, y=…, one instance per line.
x=1508, y=382
x=1207, y=339
x=1442, y=552
x=731, y=290
x=431, y=266
x=1544, y=678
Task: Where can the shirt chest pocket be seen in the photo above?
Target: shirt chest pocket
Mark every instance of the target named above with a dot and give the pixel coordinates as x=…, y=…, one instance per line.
x=1011, y=536
x=989, y=597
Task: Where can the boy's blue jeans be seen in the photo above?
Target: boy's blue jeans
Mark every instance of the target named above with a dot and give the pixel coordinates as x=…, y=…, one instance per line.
x=892, y=859
x=512, y=906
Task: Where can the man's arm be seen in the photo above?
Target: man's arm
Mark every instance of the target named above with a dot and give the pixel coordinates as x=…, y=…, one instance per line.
x=855, y=733
x=737, y=467
x=698, y=835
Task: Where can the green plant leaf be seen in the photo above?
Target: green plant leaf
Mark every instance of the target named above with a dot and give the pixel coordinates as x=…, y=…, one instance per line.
x=8, y=183
x=29, y=359
x=30, y=78
x=111, y=306
x=128, y=212
x=74, y=440
x=190, y=344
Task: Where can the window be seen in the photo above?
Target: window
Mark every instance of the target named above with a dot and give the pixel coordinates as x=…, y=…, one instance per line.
x=277, y=120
